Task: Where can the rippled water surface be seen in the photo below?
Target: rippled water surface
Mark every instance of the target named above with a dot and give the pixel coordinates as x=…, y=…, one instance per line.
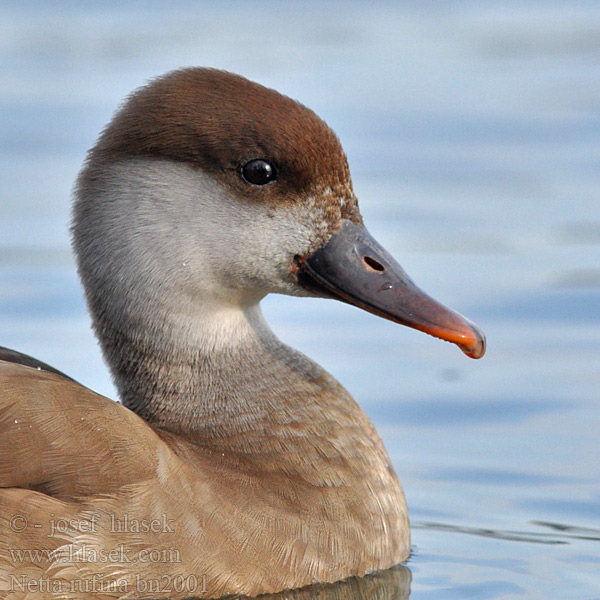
x=473, y=135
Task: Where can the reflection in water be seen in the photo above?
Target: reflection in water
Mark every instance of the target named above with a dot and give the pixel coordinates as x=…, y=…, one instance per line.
x=561, y=533
x=572, y=531
x=393, y=584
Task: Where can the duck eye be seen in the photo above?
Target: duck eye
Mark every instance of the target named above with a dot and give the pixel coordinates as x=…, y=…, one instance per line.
x=258, y=172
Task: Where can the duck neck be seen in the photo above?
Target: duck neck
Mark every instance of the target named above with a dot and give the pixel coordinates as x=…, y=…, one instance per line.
x=264, y=413
x=228, y=387
x=222, y=377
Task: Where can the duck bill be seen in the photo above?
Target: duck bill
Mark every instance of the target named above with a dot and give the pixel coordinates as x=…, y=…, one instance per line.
x=354, y=268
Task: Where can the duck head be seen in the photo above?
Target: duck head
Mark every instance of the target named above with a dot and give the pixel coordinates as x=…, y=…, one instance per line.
x=208, y=190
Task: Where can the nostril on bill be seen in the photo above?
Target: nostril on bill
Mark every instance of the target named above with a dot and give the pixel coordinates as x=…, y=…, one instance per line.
x=373, y=265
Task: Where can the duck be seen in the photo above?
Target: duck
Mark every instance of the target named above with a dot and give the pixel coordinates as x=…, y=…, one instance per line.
x=233, y=464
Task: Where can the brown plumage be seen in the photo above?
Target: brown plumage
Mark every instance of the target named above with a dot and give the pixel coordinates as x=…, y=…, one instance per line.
x=235, y=460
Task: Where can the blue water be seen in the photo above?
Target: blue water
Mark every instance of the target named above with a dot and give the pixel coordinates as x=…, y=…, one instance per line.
x=473, y=135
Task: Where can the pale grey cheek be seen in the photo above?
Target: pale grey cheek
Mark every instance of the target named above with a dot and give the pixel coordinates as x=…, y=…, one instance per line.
x=184, y=231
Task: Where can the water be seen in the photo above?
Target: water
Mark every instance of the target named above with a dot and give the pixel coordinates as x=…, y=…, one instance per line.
x=472, y=131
